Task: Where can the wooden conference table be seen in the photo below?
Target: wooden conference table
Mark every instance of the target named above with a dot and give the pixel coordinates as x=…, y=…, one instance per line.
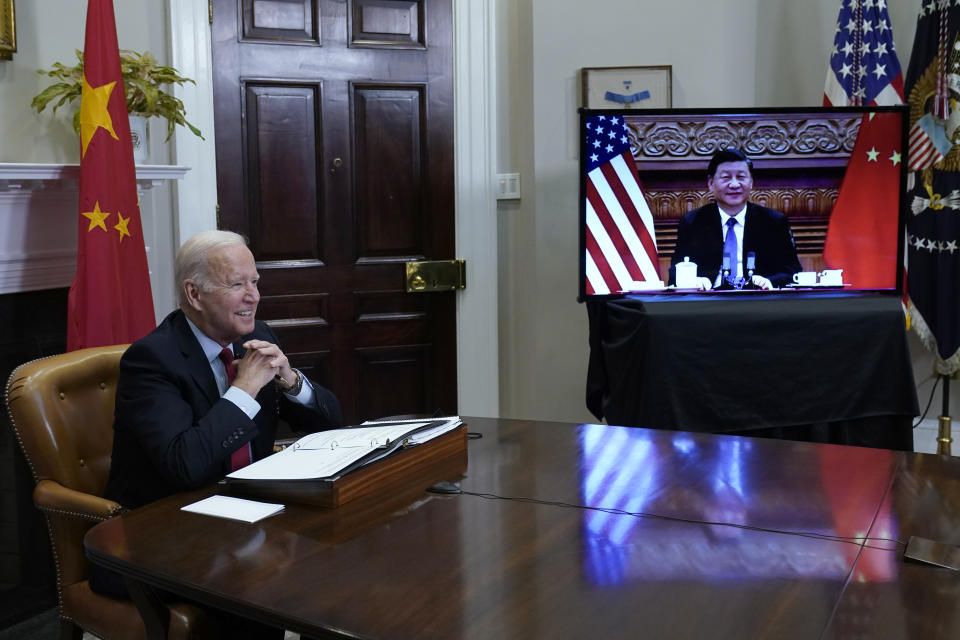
x=531, y=563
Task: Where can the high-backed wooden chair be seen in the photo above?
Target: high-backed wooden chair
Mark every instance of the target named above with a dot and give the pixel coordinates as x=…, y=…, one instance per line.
x=61, y=409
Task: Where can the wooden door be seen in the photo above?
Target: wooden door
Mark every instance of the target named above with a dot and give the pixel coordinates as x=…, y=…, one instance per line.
x=334, y=143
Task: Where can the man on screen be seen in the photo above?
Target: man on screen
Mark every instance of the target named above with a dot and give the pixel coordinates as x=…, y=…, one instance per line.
x=703, y=234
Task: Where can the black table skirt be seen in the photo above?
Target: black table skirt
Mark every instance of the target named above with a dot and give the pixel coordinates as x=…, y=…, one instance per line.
x=824, y=367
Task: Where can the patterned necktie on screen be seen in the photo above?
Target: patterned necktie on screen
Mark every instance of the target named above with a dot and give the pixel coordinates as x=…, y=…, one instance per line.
x=240, y=457
x=730, y=246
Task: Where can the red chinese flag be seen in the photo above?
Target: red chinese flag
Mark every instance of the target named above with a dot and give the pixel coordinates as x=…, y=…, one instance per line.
x=862, y=234
x=110, y=300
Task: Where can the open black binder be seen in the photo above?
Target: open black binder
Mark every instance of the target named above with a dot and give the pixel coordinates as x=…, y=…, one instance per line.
x=407, y=451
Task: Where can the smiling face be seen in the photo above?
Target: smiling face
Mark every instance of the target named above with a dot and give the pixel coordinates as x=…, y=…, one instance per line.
x=731, y=185
x=224, y=309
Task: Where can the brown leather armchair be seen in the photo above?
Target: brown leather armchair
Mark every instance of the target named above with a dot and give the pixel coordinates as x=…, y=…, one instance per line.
x=61, y=409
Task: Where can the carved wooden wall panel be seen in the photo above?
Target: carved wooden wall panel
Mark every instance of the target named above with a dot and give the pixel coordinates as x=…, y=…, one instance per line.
x=763, y=137
x=387, y=24
x=293, y=21
x=283, y=135
x=794, y=202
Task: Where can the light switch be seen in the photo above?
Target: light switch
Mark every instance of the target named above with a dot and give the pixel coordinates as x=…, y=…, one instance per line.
x=508, y=186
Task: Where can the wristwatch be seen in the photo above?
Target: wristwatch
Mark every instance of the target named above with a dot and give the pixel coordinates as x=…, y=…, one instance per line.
x=295, y=388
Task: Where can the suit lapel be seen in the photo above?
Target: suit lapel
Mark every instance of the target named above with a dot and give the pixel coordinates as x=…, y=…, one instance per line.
x=197, y=363
x=750, y=230
x=237, y=346
x=716, y=239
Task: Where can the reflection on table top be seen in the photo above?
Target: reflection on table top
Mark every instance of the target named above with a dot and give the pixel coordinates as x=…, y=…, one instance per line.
x=542, y=544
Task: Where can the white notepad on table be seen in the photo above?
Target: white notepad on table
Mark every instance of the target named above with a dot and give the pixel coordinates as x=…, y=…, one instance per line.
x=234, y=508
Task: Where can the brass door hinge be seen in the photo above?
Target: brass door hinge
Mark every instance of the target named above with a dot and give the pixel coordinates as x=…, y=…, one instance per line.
x=436, y=275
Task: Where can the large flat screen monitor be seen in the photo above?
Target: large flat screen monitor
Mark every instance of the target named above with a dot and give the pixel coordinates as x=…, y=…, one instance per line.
x=822, y=193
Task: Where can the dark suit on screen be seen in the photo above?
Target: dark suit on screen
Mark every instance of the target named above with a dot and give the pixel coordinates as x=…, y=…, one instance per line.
x=172, y=430
x=765, y=232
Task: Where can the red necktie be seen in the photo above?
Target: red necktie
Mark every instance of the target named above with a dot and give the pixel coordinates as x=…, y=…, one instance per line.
x=240, y=457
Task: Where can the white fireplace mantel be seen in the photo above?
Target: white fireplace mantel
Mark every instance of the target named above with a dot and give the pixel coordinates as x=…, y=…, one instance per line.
x=38, y=221
x=31, y=175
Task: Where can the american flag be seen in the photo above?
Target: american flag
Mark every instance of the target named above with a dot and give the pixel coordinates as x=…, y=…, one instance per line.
x=621, y=248
x=864, y=69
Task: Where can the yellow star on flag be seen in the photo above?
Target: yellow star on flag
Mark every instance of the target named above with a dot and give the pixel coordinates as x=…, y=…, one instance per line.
x=872, y=154
x=93, y=112
x=96, y=217
x=122, y=226
x=895, y=158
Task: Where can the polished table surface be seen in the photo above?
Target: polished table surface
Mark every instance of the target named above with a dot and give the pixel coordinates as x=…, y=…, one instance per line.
x=542, y=544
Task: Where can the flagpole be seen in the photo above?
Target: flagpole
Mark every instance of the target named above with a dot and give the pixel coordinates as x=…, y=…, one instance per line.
x=944, y=437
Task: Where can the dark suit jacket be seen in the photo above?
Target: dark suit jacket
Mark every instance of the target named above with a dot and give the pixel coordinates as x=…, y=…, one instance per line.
x=766, y=232
x=172, y=430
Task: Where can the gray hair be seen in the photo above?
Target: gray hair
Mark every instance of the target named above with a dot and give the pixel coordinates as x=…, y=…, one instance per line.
x=193, y=259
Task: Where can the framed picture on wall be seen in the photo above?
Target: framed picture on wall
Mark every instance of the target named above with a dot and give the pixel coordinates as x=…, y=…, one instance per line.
x=627, y=87
x=8, y=30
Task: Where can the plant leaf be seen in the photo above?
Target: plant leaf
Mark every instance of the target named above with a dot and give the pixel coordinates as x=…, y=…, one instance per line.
x=143, y=78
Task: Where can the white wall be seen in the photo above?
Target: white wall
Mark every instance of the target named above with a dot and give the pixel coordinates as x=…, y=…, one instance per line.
x=730, y=53
x=50, y=31
x=794, y=43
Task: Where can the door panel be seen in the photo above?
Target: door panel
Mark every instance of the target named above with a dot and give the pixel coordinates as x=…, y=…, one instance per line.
x=388, y=168
x=387, y=23
x=282, y=142
x=408, y=366
x=278, y=20
x=334, y=135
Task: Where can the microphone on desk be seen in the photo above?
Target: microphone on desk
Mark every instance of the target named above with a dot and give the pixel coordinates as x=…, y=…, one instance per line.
x=726, y=279
x=748, y=270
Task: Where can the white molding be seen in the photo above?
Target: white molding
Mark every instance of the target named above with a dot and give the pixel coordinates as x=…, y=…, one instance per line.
x=474, y=74
x=190, y=53
x=28, y=176
x=37, y=271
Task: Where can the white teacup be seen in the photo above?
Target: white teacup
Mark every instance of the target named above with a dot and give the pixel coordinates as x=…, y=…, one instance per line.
x=805, y=278
x=832, y=277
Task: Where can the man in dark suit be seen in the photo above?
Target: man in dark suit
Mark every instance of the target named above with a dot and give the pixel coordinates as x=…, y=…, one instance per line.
x=201, y=394
x=702, y=234
x=182, y=419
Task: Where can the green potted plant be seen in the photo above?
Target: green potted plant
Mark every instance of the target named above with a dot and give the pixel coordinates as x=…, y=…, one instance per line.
x=143, y=78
